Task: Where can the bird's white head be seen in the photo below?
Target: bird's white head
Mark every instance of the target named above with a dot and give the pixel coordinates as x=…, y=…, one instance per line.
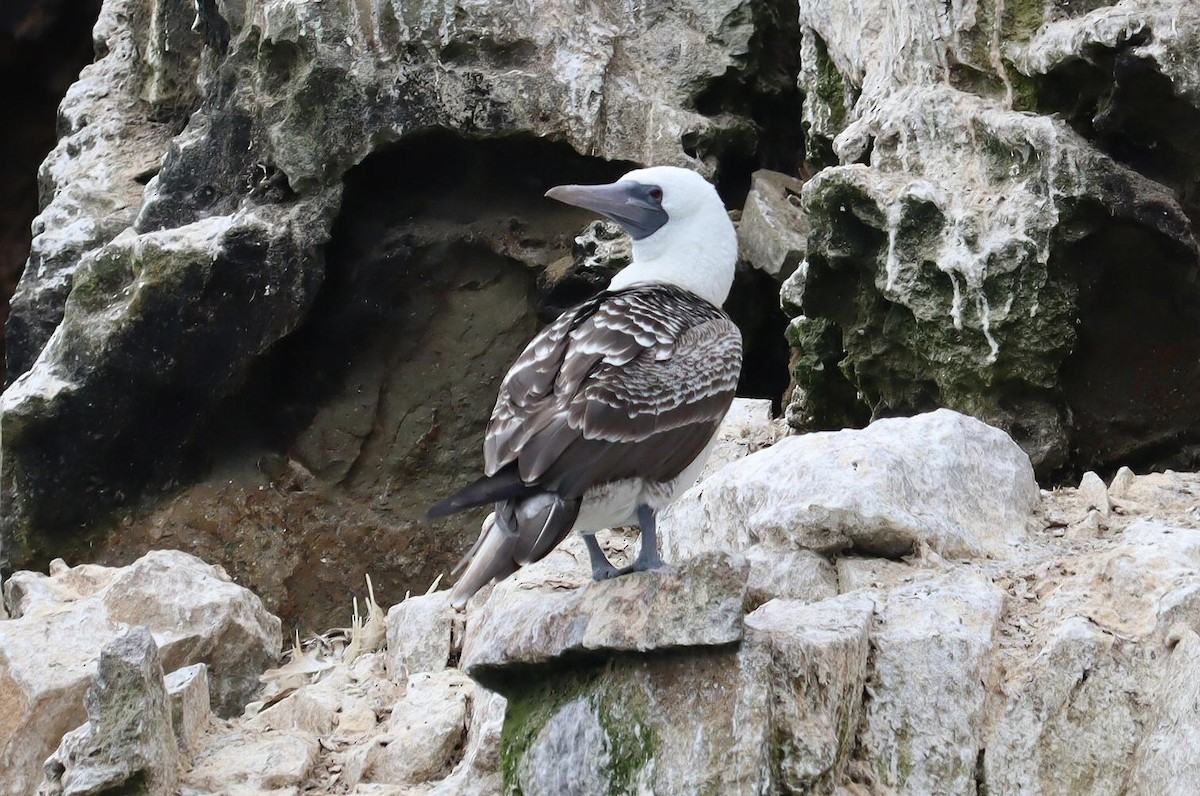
x=681, y=232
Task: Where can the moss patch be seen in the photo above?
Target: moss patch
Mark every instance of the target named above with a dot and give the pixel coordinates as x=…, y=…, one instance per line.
x=528, y=711
x=620, y=706
x=632, y=741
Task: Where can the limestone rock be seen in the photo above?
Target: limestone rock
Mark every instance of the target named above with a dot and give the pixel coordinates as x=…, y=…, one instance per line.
x=244, y=761
x=630, y=725
x=818, y=669
x=800, y=575
x=48, y=658
x=187, y=692
x=128, y=740
x=860, y=572
x=1094, y=493
x=1167, y=754
x=773, y=232
x=940, y=479
x=748, y=427
x=933, y=648
x=697, y=602
x=92, y=182
x=962, y=171
x=478, y=773
x=1121, y=483
x=1090, y=700
x=426, y=728
x=419, y=632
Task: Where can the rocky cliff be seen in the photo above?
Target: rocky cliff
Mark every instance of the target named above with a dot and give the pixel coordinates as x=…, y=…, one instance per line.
x=993, y=639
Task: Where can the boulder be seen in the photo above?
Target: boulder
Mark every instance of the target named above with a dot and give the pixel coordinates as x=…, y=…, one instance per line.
x=696, y=603
x=940, y=480
x=1095, y=697
x=419, y=635
x=128, y=742
x=773, y=232
x=925, y=713
x=48, y=654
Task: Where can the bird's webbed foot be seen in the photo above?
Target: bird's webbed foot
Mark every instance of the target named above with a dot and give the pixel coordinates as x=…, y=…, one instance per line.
x=647, y=559
x=602, y=568
x=648, y=555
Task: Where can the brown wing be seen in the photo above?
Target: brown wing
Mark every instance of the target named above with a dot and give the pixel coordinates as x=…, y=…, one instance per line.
x=632, y=383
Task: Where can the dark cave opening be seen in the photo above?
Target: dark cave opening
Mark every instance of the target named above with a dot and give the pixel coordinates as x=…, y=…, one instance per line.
x=433, y=197
x=1132, y=378
x=764, y=90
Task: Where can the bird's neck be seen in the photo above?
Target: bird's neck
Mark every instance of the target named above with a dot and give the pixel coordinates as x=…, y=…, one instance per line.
x=699, y=256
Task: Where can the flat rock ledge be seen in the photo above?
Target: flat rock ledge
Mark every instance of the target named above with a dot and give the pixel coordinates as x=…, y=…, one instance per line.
x=697, y=603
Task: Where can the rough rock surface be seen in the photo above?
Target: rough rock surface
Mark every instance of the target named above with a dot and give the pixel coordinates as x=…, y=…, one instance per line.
x=773, y=233
x=128, y=742
x=695, y=603
x=940, y=480
x=1023, y=267
x=60, y=623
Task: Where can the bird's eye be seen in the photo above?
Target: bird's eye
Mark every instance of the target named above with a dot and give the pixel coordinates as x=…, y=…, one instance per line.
x=656, y=194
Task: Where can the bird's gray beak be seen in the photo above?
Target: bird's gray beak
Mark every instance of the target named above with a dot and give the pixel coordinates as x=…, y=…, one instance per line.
x=630, y=204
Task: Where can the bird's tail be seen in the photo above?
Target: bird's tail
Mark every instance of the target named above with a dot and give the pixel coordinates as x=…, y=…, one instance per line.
x=515, y=534
x=504, y=485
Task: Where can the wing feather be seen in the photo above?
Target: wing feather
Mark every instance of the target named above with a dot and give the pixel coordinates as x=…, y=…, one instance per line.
x=631, y=383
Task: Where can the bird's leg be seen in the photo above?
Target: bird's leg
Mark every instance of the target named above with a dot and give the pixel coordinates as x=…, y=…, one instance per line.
x=602, y=569
x=648, y=555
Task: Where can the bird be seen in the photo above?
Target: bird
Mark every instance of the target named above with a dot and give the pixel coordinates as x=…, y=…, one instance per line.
x=610, y=412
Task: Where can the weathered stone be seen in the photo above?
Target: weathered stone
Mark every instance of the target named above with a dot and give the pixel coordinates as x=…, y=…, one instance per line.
x=187, y=691
x=1166, y=757
x=696, y=603
x=970, y=236
x=33, y=594
x=682, y=723
x=479, y=774
x=128, y=743
x=818, y=670
x=860, y=572
x=47, y=659
x=198, y=615
x=91, y=183
x=933, y=646
x=307, y=710
x=1090, y=693
x=426, y=728
x=1094, y=493
x=242, y=761
x=1122, y=482
x=748, y=427
x=772, y=235
x=419, y=632
x=789, y=574
x=940, y=479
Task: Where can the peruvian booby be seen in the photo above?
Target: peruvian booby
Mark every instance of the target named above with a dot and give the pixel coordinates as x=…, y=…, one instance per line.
x=612, y=409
